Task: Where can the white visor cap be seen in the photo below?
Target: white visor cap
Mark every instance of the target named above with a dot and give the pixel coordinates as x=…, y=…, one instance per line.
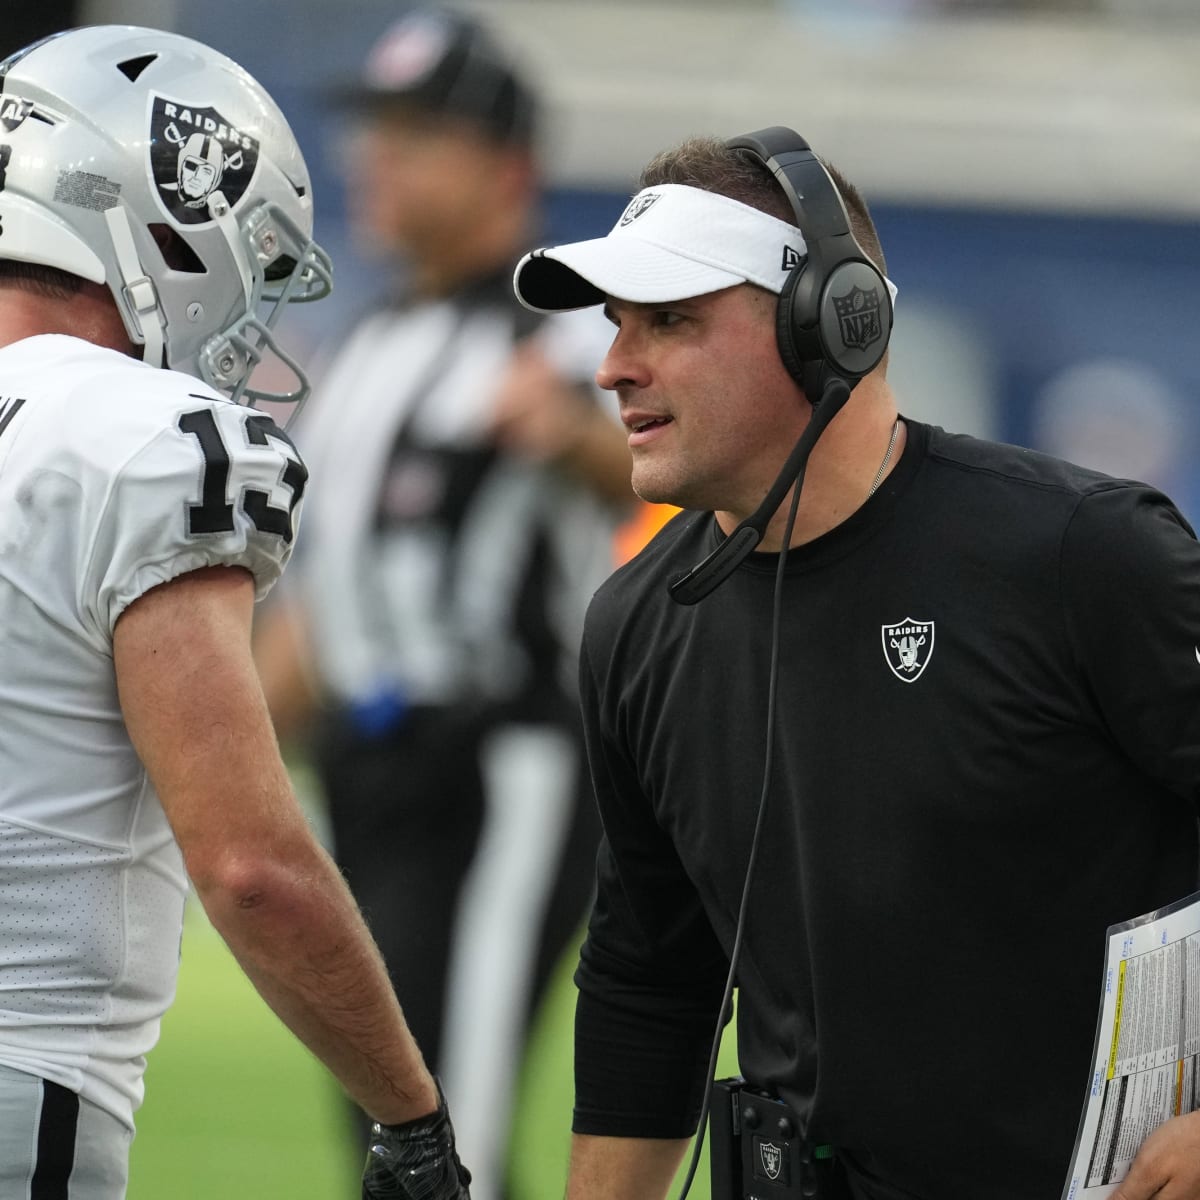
x=672, y=242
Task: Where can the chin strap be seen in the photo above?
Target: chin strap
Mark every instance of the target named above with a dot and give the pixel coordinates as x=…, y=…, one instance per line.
x=136, y=286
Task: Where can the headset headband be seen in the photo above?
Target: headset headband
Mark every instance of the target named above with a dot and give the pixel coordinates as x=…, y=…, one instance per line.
x=835, y=312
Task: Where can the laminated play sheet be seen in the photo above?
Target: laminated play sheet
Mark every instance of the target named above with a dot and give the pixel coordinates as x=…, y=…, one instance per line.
x=1147, y=1042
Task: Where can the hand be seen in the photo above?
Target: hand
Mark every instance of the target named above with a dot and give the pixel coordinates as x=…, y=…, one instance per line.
x=536, y=412
x=415, y=1161
x=1167, y=1166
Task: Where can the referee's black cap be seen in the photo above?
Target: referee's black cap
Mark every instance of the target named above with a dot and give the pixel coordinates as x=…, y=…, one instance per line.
x=442, y=62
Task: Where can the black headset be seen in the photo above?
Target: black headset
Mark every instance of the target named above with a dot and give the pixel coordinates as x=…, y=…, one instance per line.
x=835, y=313
x=832, y=326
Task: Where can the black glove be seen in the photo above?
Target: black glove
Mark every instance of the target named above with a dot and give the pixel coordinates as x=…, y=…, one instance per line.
x=415, y=1161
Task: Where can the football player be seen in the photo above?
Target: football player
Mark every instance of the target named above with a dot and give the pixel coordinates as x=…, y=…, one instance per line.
x=143, y=510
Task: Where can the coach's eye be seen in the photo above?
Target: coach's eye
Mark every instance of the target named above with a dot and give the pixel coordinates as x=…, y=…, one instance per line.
x=666, y=317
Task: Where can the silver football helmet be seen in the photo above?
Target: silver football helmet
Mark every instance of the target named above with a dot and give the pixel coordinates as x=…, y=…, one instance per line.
x=153, y=164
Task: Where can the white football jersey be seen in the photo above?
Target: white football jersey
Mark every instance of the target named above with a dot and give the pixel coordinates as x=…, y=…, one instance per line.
x=114, y=477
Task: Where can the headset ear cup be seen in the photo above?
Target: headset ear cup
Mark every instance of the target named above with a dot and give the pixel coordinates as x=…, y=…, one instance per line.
x=854, y=319
x=799, y=346
x=786, y=327
x=840, y=332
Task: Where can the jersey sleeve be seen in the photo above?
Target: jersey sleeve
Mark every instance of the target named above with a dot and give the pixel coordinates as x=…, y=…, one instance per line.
x=651, y=971
x=217, y=484
x=1131, y=589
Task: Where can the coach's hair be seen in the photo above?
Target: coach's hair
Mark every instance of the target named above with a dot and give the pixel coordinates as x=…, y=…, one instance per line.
x=42, y=280
x=707, y=163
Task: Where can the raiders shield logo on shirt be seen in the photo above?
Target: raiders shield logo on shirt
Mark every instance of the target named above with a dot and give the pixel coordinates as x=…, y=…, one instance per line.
x=908, y=646
x=195, y=152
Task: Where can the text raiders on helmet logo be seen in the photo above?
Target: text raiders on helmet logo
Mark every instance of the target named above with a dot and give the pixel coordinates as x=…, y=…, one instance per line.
x=195, y=152
x=908, y=647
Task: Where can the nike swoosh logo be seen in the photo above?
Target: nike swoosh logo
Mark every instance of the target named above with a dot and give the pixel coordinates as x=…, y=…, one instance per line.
x=1197, y=649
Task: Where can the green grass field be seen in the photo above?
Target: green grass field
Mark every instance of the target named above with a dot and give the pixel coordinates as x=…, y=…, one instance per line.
x=236, y=1108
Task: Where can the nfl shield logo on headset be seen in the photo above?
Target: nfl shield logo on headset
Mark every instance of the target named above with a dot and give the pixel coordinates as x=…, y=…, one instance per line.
x=858, y=317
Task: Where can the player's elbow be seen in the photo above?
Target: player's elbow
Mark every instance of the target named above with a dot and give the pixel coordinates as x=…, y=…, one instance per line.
x=249, y=881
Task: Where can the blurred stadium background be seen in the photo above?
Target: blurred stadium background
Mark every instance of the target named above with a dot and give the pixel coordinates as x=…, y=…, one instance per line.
x=1034, y=169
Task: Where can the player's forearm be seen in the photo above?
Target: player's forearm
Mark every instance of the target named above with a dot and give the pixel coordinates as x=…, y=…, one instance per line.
x=297, y=934
x=611, y=1168
x=196, y=715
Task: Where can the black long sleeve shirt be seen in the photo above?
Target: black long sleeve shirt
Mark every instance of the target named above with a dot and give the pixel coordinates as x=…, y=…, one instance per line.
x=987, y=751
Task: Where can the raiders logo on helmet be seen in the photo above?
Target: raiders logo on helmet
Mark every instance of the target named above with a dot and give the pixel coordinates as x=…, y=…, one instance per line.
x=195, y=152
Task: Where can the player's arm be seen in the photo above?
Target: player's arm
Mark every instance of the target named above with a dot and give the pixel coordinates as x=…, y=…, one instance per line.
x=621, y=1168
x=196, y=715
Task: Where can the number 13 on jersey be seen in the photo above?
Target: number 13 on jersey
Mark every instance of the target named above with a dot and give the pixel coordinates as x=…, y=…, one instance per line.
x=214, y=513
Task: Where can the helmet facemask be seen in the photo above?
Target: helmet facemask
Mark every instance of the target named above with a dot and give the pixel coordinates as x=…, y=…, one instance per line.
x=278, y=265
